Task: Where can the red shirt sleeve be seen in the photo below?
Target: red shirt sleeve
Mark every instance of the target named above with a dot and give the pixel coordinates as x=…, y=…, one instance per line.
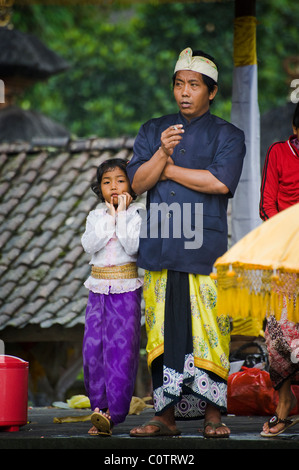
x=269, y=185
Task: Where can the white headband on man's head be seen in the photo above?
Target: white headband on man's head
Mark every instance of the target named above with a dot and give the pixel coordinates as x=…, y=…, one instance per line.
x=197, y=64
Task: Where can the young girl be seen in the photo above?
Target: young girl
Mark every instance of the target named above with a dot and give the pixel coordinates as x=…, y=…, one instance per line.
x=280, y=190
x=112, y=322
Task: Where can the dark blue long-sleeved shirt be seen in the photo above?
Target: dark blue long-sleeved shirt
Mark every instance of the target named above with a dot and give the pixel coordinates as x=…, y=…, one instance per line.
x=186, y=230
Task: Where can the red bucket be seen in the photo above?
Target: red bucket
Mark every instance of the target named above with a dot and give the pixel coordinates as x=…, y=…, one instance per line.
x=13, y=393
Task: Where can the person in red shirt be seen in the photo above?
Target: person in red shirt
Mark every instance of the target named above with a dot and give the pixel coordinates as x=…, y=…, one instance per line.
x=279, y=190
x=280, y=179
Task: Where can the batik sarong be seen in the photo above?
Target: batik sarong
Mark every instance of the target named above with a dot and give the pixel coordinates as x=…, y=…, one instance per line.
x=188, y=343
x=111, y=351
x=282, y=340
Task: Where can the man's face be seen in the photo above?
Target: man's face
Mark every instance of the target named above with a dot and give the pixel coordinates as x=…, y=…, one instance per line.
x=192, y=94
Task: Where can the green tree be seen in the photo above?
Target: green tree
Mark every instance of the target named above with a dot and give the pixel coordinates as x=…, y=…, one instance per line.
x=121, y=58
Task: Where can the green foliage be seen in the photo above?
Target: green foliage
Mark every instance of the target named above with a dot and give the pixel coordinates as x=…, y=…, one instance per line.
x=121, y=59
x=277, y=39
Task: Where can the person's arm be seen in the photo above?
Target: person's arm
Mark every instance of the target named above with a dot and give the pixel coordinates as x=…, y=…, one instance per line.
x=269, y=186
x=100, y=228
x=198, y=180
x=149, y=173
x=221, y=177
x=128, y=224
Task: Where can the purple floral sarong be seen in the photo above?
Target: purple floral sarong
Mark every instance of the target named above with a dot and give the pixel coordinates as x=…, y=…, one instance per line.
x=282, y=339
x=111, y=351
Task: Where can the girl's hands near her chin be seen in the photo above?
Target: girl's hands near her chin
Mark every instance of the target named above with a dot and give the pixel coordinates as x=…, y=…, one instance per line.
x=124, y=200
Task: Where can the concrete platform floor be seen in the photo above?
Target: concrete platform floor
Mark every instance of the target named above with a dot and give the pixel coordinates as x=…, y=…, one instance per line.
x=42, y=432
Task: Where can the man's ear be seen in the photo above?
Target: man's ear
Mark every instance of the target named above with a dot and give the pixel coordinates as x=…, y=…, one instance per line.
x=213, y=93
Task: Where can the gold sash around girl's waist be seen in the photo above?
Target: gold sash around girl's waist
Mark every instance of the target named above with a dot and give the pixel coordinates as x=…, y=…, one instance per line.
x=126, y=271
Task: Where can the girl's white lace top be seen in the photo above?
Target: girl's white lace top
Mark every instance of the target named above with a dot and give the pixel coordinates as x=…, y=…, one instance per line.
x=112, y=241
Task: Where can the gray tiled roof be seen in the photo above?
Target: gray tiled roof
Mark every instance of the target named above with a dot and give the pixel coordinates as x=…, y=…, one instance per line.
x=45, y=197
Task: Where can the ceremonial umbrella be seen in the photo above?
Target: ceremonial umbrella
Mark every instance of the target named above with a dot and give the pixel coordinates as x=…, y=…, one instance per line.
x=259, y=275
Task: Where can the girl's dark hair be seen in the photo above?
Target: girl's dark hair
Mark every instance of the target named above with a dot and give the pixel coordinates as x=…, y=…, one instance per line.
x=296, y=117
x=208, y=81
x=108, y=165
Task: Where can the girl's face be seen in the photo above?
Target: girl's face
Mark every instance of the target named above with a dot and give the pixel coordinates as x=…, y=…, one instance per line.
x=114, y=183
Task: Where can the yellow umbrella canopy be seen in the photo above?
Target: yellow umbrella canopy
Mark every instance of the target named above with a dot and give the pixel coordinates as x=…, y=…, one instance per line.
x=259, y=275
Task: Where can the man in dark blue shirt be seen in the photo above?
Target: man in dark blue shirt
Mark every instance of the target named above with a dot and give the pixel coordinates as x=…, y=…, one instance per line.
x=189, y=164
